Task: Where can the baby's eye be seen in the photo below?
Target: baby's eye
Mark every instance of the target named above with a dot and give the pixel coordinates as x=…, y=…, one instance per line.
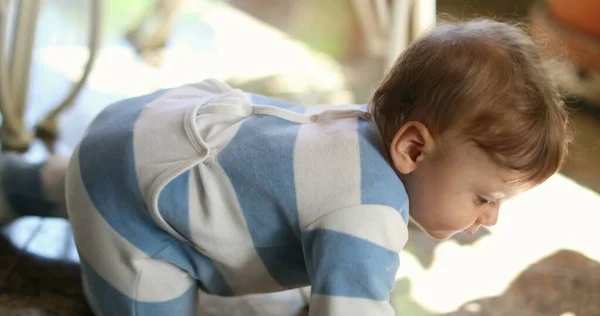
x=483, y=201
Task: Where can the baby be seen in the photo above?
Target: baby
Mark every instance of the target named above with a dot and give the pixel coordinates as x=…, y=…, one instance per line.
x=205, y=187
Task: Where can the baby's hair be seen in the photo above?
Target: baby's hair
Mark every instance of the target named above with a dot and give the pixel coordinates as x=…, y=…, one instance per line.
x=484, y=79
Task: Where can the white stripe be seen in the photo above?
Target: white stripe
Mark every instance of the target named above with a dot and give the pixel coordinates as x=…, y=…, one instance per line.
x=219, y=229
x=379, y=224
x=113, y=257
x=321, y=305
x=159, y=138
x=326, y=168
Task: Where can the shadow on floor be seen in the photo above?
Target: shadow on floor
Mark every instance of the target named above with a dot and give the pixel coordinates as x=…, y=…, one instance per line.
x=564, y=283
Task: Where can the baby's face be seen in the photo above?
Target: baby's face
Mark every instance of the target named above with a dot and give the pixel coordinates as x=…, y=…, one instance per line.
x=460, y=189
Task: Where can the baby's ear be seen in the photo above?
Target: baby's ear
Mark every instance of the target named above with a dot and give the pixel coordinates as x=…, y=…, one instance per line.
x=410, y=145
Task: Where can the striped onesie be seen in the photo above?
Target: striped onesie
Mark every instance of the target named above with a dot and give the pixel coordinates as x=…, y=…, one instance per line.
x=208, y=188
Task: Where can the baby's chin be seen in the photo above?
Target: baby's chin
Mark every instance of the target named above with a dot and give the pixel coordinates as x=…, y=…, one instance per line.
x=440, y=235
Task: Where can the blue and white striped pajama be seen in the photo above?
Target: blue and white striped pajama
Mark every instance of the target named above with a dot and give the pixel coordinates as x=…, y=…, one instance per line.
x=205, y=187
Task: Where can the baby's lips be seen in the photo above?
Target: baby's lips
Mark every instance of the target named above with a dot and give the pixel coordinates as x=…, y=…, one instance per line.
x=472, y=230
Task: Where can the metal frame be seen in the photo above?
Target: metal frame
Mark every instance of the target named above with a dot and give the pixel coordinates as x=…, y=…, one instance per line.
x=16, y=50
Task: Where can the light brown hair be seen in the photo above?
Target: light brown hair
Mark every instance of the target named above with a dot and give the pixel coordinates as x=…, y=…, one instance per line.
x=484, y=77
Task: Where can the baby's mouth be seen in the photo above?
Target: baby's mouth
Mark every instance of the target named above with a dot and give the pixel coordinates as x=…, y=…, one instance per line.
x=472, y=230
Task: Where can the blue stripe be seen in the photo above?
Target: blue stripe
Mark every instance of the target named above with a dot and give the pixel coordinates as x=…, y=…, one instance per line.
x=285, y=264
x=198, y=266
x=261, y=99
x=173, y=204
x=379, y=182
x=259, y=161
x=107, y=164
x=104, y=299
x=343, y=265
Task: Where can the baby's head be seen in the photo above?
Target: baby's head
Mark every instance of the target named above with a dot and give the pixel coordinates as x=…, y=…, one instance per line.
x=469, y=119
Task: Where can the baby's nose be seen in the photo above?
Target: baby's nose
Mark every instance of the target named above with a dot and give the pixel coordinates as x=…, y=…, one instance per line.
x=490, y=218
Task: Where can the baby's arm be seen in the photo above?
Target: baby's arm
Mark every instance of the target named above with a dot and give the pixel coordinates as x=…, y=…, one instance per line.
x=352, y=259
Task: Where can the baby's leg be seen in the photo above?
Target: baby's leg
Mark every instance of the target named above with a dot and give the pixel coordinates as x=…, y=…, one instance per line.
x=120, y=279
x=126, y=266
x=32, y=188
x=146, y=287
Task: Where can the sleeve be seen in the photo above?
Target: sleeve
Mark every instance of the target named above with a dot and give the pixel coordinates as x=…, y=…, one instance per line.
x=352, y=256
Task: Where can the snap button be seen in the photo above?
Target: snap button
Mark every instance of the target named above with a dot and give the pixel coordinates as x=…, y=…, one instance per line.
x=314, y=117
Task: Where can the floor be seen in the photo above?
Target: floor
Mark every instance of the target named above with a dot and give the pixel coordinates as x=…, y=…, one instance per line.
x=541, y=259
x=39, y=274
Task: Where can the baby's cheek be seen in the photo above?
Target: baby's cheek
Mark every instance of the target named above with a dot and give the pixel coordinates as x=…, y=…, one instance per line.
x=461, y=214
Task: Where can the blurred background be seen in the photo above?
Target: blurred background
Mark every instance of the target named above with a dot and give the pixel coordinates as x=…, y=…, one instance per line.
x=62, y=61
